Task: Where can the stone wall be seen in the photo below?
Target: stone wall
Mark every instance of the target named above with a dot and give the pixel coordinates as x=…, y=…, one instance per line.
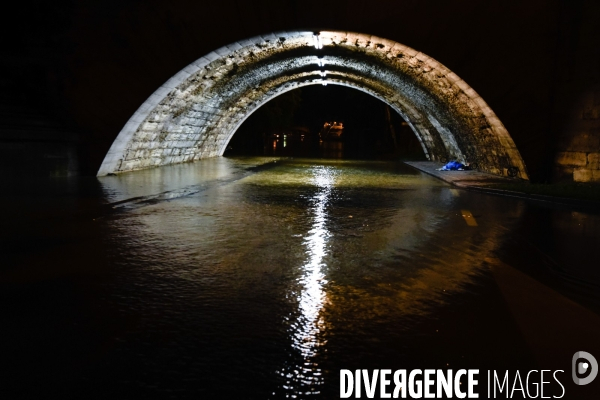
x=91, y=64
x=195, y=113
x=577, y=101
x=578, y=152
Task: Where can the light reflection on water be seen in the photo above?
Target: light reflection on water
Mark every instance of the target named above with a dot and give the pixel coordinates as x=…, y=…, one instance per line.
x=220, y=280
x=228, y=238
x=307, y=377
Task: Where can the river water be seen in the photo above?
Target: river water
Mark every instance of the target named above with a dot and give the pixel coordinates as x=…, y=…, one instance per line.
x=261, y=278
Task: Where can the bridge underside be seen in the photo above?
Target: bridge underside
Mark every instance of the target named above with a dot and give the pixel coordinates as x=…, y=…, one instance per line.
x=195, y=114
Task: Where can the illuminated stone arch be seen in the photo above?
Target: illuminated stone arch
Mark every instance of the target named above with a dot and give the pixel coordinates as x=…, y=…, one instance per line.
x=196, y=112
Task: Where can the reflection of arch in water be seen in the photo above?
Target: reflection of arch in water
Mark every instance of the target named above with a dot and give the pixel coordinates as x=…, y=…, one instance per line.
x=196, y=112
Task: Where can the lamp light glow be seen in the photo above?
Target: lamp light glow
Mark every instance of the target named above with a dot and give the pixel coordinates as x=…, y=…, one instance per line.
x=317, y=42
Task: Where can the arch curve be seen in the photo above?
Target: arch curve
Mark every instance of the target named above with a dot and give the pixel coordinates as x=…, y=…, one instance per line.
x=196, y=112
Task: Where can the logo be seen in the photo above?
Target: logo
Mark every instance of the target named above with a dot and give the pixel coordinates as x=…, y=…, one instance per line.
x=584, y=363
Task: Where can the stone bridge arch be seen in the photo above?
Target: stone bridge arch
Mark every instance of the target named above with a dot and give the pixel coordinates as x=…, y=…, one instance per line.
x=196, y=112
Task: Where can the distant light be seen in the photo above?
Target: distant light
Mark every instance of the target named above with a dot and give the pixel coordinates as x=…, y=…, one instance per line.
x=324, y=83
x=323, y=73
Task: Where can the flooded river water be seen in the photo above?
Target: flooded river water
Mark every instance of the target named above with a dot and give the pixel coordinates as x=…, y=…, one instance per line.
x=258, y=278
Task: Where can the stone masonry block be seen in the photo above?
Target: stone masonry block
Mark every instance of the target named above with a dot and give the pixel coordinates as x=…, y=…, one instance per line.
x=593, y=161
x=583, y=175
x=576, y=159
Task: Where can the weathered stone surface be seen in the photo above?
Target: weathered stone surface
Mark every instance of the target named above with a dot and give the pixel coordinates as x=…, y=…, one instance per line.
x=582, y=135
x=572, y=158
x=584, y=142
x=195, y=114
x=582, y=175
x=593, y=161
